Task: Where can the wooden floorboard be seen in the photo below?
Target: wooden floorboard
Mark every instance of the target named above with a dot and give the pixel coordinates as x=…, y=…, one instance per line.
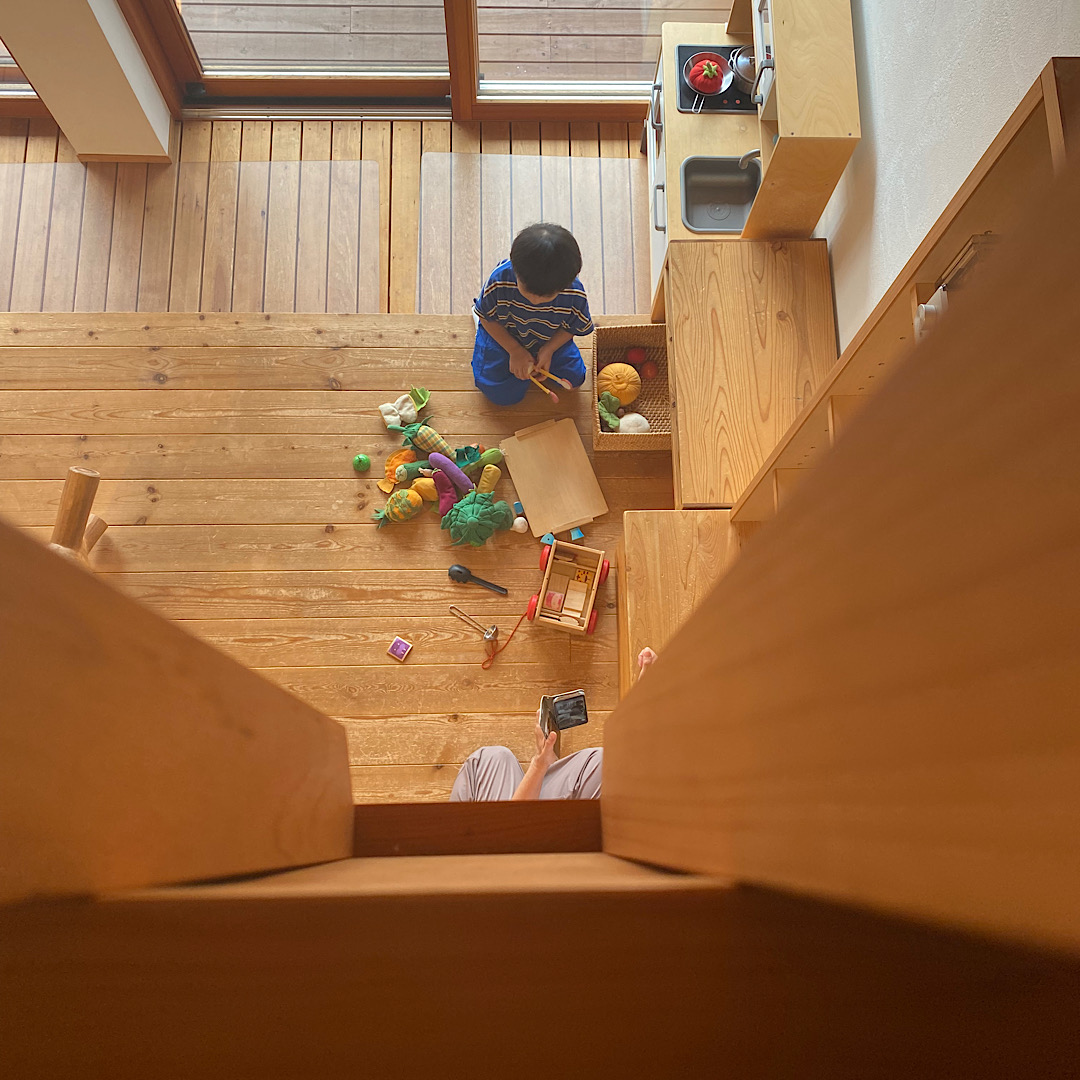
x=287, y=216
x=225, y=445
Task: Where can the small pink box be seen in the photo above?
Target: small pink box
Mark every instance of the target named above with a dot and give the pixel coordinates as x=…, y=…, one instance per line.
x=553, y=601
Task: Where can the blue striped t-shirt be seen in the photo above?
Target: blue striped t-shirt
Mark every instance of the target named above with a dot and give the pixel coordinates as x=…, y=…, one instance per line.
x=532, y=324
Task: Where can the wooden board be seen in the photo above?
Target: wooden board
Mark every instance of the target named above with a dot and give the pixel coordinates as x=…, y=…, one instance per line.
x=878, y=702
x=188, y=766
x=554, y=477
x=671, y=561
x=751, y=336
x=719, y=981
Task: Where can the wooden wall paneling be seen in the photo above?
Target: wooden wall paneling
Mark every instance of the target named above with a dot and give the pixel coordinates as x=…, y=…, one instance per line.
x=230, y=777
x=127, y=230
x=525, y=137
x=555, y=138
x=584, y=139
x=252, y=205
x=343, y=242
x=99, y=200
x=495, y=226
x=65, y=223
x=465, y=137
x=155, y=264
x=588, y=226
x=312, y=234
x=618, y=243
x=12, y=156
x=640, y=226
x=189, y=234
x=467, y=267
x=495, y=137
x=35, y=206
x=376, y=145
x=279, y=292
x=221, y=216
x=526, y=202
x=435, y=137
x=372, y=201
x=556, y=187
x=878, y=702
x=436, y=233
x=404, y=215
x=613, y=140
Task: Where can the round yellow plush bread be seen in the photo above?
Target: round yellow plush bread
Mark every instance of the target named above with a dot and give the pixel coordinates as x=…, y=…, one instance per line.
x=621, y=380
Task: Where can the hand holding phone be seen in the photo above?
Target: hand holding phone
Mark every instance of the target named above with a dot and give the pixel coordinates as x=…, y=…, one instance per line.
x=559, y=712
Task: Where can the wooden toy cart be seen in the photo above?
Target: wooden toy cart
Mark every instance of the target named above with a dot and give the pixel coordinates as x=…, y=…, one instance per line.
x=567, y=596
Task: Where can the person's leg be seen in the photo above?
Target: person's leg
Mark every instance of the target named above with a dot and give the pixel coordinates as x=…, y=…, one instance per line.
x=574, y=777
x=566, y=362
x=491, y=371
x=491, y=774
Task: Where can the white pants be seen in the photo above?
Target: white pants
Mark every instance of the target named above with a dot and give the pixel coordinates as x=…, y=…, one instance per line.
x=492, y=774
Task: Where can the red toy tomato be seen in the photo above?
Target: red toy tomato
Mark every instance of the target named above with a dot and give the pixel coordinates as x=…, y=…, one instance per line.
x=649, y=370
x=635, y=356
x=705, y=77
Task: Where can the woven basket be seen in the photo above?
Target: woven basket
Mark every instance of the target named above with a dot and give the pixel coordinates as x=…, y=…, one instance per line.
x=609, y=346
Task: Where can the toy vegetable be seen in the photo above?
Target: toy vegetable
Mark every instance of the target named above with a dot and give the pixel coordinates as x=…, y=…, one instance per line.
x=401, y=506
x=621, y=380
x=636, y=356
x=489, y=478
x=608, y=407
x=649, y=370
x=461, y=481
x=408, y=472
x=493, y=456
x=633, y=423
x=425, y=487
x=466, y=455
x=447, y=493
x=398, y=457
x=424, y=438
x=402, y=411
x=705, y=77
x=475, y=518
x=361, y=463
x=420, y=397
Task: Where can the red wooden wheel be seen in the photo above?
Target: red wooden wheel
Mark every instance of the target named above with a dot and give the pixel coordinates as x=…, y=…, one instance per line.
x=530, y=611
x=591, y=628
x=545, y=554
x=605, y=569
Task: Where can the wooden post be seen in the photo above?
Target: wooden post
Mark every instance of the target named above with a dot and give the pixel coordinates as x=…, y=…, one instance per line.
x=70, y=529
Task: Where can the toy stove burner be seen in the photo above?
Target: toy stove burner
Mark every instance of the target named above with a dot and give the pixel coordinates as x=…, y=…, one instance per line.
x=732, y=100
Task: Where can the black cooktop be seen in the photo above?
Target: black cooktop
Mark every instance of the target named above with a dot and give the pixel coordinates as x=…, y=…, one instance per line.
x=731, y=100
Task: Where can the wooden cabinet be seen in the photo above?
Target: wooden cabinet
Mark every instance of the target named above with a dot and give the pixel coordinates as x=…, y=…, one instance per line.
x=809, y=118
x=751, y=335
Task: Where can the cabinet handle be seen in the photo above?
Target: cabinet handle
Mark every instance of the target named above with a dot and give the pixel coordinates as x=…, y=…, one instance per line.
x=654, y=108
x=655, y=216
x=755, y=97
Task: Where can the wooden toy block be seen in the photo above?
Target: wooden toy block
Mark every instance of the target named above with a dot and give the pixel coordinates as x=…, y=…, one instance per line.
x=553, y=601
x=576, y=534
x=399, y=649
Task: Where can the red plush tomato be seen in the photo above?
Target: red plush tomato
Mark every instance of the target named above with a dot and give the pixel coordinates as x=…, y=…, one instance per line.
x=636, y=356
x=649, y=370
x=705, y=77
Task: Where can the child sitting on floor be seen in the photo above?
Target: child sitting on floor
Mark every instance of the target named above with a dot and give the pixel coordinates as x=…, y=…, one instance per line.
x=528, y=313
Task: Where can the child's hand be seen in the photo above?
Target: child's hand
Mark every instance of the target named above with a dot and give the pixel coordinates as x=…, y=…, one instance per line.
x=521, y=362
x=544, y=356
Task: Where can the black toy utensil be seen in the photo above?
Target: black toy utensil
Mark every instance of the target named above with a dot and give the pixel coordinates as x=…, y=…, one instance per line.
x=464, y=575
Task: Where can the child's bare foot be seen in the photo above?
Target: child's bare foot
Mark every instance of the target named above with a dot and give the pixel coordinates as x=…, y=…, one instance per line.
x=644, y=659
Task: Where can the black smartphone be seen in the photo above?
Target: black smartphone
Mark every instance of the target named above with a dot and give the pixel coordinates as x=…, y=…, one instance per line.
x=562, y=711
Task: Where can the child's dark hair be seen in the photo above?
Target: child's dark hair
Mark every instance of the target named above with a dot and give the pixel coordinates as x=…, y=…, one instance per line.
x=546, y=258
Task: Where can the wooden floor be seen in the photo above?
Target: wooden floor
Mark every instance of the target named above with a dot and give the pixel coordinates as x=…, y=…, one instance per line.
x=225, y=444
x=548, y=40
x=207, y=234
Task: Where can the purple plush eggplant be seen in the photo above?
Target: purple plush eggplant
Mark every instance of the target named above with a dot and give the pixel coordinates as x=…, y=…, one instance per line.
x=461, y=481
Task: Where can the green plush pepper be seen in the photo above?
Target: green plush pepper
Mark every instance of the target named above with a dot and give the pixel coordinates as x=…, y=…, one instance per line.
x=408, y=472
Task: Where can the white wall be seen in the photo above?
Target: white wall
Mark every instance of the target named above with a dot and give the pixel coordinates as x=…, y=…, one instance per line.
x=937, y=80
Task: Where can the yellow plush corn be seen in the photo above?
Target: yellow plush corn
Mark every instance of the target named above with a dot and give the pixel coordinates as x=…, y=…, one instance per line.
x=424, y=486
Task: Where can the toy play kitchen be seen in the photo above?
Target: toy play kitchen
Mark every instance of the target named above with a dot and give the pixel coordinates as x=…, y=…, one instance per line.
x=755, y=149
